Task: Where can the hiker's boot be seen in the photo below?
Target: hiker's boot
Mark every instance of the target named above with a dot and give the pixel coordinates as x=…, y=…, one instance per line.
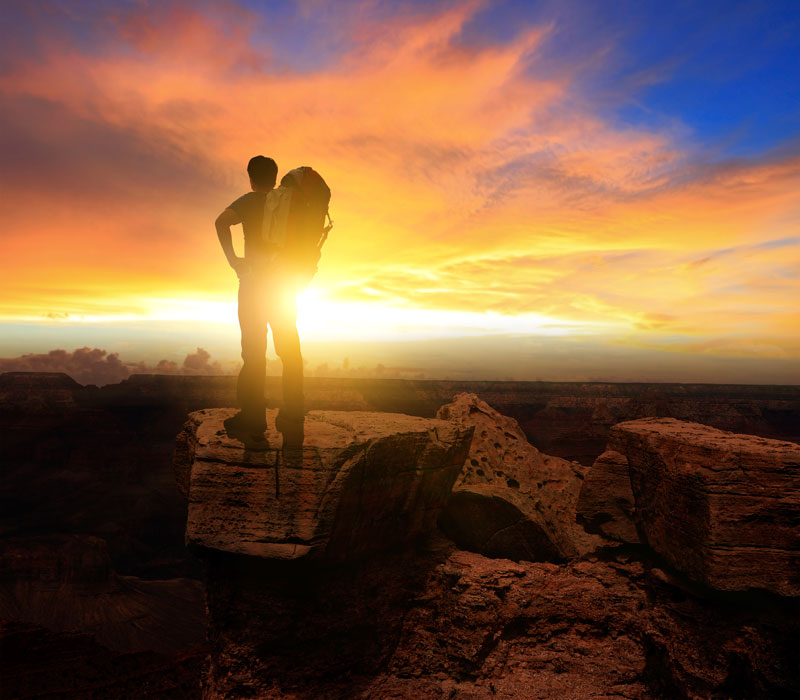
x=290, y=424
x=247, y=429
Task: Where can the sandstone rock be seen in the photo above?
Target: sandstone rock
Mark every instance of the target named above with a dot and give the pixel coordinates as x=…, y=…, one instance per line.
x=723, y=508
x=440, y=623
x=511, y=500
x=435, y=623
x=362, y=482
x=605, y=504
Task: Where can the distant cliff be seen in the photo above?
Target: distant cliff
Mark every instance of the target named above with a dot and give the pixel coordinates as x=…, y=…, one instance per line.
x=564, y=419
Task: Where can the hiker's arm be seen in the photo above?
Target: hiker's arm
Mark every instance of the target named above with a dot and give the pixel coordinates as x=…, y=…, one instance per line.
x=223, y=225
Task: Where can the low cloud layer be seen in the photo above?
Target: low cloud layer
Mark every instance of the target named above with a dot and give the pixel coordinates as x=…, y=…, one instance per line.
x=96, y=366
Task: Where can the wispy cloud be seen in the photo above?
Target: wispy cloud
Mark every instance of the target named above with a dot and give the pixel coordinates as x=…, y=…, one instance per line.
x=466, y=175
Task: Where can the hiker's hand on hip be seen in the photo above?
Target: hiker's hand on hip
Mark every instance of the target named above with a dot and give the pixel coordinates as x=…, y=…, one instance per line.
x=240, y=266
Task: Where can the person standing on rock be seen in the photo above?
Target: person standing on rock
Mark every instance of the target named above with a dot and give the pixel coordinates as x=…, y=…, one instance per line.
x=265, y=299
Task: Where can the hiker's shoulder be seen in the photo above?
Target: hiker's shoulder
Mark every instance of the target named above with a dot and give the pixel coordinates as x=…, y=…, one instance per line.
x=247, y=200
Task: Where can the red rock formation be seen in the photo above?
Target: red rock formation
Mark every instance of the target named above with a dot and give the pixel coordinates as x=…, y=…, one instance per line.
x=425, y=620
x=721, y=507
x=605, y=504
x=409, y=623
x=511, y=500
x=441, y=623
x=362, y=482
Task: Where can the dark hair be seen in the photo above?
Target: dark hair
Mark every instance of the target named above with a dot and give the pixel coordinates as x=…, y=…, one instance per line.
x=262, y=171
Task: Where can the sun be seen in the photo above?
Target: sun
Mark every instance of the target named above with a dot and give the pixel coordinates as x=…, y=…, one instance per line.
x=321, y=318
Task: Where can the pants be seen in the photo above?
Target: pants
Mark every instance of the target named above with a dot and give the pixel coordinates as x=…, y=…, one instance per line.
x=264, y=302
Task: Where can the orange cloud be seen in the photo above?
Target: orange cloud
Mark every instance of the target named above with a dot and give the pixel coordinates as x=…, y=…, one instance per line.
x=465, y=177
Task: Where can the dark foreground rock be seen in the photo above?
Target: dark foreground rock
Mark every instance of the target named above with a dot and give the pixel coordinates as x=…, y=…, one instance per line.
x=68, y=465
x=511, y=500
x=721, y=507
x=436, y=622
x=429, y=623
x=39, y=663
x=418, y=618
x=95, y=584
x=67, y=584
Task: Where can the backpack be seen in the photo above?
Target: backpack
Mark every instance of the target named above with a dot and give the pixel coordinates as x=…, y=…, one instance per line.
x=293, y=227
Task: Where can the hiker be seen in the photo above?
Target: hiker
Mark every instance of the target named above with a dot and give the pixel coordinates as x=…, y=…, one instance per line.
x=283, y=233
x=263, y=301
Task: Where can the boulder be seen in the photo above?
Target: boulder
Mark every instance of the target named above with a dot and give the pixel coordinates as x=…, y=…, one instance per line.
x=511, y=500
x=723, y=508
x=605, y=504
x=361, y=482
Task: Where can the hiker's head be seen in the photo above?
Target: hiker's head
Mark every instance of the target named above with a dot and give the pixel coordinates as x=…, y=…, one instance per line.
x=263, y=173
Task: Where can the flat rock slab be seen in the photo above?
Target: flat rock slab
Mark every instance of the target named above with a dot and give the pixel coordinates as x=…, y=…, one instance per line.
x=722, y=507
x=361, y=482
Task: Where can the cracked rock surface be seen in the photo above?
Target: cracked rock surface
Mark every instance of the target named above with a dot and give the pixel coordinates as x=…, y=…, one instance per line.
x=511, y=500
x=724, y=508
x=361, y=482
x=437, y=623
x=369, y=611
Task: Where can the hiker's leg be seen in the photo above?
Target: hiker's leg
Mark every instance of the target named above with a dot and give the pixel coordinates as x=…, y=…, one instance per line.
x=283, y=321
x=253, y=324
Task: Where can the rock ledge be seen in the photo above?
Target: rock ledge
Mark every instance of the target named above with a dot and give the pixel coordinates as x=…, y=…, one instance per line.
x=362, y=482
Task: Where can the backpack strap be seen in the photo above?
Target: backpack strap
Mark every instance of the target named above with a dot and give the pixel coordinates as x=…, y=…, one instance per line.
x=325, y=231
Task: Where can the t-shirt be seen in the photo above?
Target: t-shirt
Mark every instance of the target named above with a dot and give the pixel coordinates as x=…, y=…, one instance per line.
x=250, y=208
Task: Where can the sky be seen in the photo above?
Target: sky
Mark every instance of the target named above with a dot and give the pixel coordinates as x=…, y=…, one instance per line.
x=563, y=190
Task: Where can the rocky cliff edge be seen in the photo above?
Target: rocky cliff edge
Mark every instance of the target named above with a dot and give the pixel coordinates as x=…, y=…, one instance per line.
x=361, y=482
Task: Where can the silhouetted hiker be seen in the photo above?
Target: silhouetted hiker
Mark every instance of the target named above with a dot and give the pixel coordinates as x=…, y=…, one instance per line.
x=263, y=301
x=283, y=233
